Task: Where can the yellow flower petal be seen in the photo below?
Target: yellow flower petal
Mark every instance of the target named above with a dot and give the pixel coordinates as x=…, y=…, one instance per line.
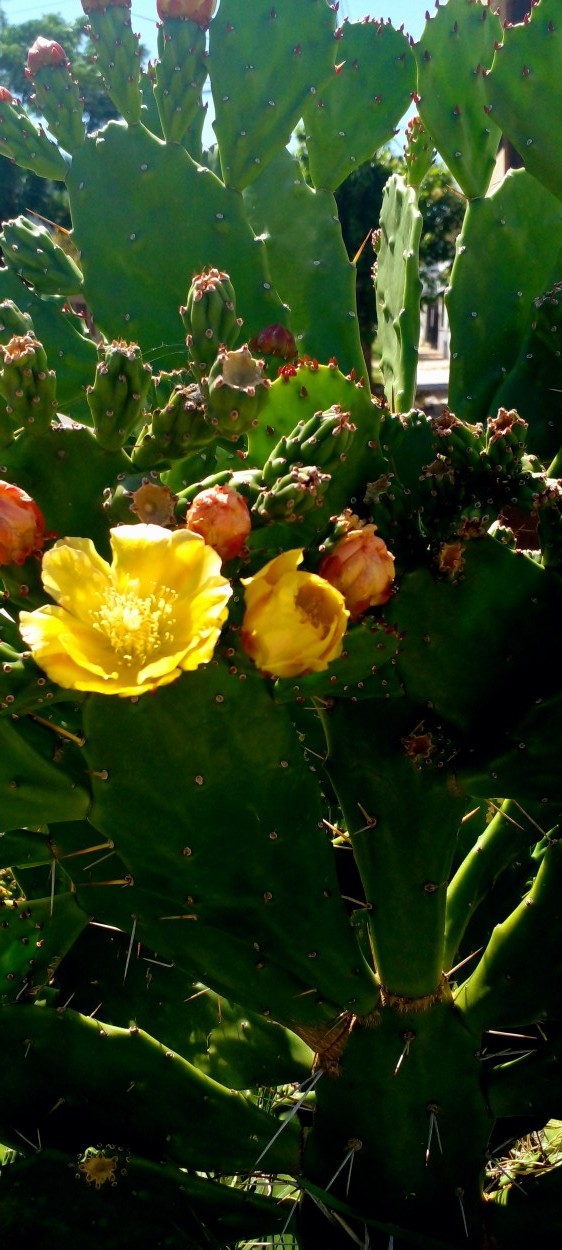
x=46, y=633
x=75, y=575
x=178, y=559
x=294, y=621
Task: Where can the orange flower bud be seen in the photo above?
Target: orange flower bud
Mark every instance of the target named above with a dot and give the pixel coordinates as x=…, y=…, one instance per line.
x=361, y=567
x=22, y=528
x=222, y=517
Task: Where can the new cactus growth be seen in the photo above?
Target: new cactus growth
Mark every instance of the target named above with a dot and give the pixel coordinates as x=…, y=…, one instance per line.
x=280, y=711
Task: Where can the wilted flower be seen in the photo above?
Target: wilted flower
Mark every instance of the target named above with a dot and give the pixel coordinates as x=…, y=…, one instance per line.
x=361, y=567
x=200, y=11
x=131, y=626
x=222, y=517
x=153, y=504
x=22, y=527
x=294, y=621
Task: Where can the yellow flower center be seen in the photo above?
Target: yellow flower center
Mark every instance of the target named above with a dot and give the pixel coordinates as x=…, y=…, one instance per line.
x=98, y=1169
x=136, y=626
x=316, y=606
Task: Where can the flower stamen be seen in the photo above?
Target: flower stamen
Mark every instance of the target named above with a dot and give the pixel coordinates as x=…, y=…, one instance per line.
x=136, y=626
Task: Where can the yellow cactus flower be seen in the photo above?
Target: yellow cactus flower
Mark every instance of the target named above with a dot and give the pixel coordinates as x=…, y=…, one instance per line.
x=131, y=626
x=294, y=621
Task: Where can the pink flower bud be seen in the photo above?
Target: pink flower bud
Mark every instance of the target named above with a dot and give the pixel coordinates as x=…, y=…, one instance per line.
x=200, y=11
x=361, y=568
x=222, y=517
x=6, y=95
x=44, y=52
x=22, y=528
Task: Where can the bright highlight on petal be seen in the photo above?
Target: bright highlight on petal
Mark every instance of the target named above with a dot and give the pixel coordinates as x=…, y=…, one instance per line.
x=130, y=626
x=294, y=621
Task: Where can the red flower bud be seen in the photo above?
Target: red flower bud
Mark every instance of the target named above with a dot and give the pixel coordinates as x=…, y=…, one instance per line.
x=44, y=52
x=22, y=528
x=361, y=568
x=200, y=11
x=222, y=517
x=6, y=95
x=275, y=340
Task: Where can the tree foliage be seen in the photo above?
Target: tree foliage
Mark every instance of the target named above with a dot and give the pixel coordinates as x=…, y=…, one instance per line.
x=19, y=189
x=359, y=202
x=17, y=38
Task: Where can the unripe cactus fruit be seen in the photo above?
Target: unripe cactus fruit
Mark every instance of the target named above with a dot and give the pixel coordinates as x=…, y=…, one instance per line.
x=361, y=567
x=178, y=429
x=222, y=517
x=237, y=389
x=22, y=527
x=117, y=395
x=209, y=316
x=26, y=382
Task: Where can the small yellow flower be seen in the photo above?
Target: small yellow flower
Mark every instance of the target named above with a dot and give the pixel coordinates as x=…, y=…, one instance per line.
x=131, y=626
x=294, y=622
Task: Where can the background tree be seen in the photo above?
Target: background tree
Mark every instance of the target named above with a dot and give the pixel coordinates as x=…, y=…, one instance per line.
x=359, y=202
x=21, y=190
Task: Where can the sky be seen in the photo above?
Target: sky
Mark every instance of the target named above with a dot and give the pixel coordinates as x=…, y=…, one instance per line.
x=144, y=17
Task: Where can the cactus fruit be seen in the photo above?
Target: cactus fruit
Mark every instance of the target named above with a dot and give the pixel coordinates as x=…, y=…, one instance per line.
x=209, y=317
x=116, y=396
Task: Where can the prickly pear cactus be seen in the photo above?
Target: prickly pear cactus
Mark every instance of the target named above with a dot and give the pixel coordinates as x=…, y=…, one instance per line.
x=280, y=710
